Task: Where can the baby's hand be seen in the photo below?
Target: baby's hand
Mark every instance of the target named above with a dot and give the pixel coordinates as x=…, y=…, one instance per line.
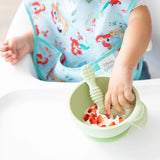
x=14, y=49
x=6, y=51
x=119, y=90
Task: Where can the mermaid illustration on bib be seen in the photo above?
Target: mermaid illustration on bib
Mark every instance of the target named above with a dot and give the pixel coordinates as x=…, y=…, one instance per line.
x=58, y=19
x=110, y=39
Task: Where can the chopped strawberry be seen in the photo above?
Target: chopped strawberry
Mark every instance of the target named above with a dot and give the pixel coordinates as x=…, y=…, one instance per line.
x=86, y=117
x=89, y=110
x=103, y=125
x=112, y=124
x=120, y=119
x=99, y=119
x=93, y=118
x=92, y=108
x=93, y=121
x=107, y=115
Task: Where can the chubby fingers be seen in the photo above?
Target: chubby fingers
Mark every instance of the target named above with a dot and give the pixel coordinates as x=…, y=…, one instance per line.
x=7, y=46
x=128, y=94
x=107, y=103
x=10, y=57
x=117, y=101
x=111, y=100
x=4, y=50
x=4, y=47
x=117, y=105
x=8, y=54
x=123, y=102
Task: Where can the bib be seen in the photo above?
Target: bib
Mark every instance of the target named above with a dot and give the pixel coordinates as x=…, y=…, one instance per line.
x=71, y=33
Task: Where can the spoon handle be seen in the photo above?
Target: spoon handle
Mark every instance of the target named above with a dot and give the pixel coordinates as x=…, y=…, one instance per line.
x=96, y=94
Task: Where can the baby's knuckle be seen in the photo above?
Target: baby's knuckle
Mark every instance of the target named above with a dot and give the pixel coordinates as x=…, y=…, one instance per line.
x=122, y=100
x=118, y=108
x=130, y=97
x=114, y=103
x=127, y=106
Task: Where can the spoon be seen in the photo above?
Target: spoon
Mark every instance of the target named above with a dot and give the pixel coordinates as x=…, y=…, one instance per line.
x=96, y=94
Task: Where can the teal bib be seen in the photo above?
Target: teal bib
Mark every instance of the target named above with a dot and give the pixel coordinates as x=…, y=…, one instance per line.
x=71, y=33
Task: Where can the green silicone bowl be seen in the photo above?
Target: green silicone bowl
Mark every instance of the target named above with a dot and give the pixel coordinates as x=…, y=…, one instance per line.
x=80, y=101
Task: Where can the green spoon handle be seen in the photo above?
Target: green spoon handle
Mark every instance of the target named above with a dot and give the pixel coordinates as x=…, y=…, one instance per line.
x=96, y=94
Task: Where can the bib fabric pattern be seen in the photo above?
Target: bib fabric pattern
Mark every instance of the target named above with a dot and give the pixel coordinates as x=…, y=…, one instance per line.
x=71, y=33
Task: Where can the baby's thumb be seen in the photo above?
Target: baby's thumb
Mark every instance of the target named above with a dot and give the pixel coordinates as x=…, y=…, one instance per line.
x=129, y=95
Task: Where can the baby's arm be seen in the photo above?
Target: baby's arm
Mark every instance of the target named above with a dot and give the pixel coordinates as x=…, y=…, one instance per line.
x=135, y=42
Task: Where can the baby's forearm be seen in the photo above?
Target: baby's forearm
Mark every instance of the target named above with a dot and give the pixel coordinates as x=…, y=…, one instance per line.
x=136, y=38
x=135, y=42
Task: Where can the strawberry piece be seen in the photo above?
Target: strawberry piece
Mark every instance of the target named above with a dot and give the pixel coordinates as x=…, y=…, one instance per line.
x=120, y=119
x=93, y=121
x=92, y=108
x=86, y=117
x=107, y=115
x=93, y=118
x=89, y=110
x=103, y=125
x=112, y=124
x=99, y=119
x=93, y=105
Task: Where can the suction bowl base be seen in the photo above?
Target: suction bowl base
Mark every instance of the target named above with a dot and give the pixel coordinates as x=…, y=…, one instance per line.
x=111, y=139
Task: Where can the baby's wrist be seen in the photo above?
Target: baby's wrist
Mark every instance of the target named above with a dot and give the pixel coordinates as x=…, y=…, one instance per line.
x=123, y=68
x=28, y=37
x=124, y=65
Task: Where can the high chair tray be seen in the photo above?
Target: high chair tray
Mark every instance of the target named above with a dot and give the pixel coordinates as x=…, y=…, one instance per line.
x=35, y=124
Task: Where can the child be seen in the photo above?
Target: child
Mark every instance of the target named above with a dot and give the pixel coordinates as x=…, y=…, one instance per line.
x=111, y=36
